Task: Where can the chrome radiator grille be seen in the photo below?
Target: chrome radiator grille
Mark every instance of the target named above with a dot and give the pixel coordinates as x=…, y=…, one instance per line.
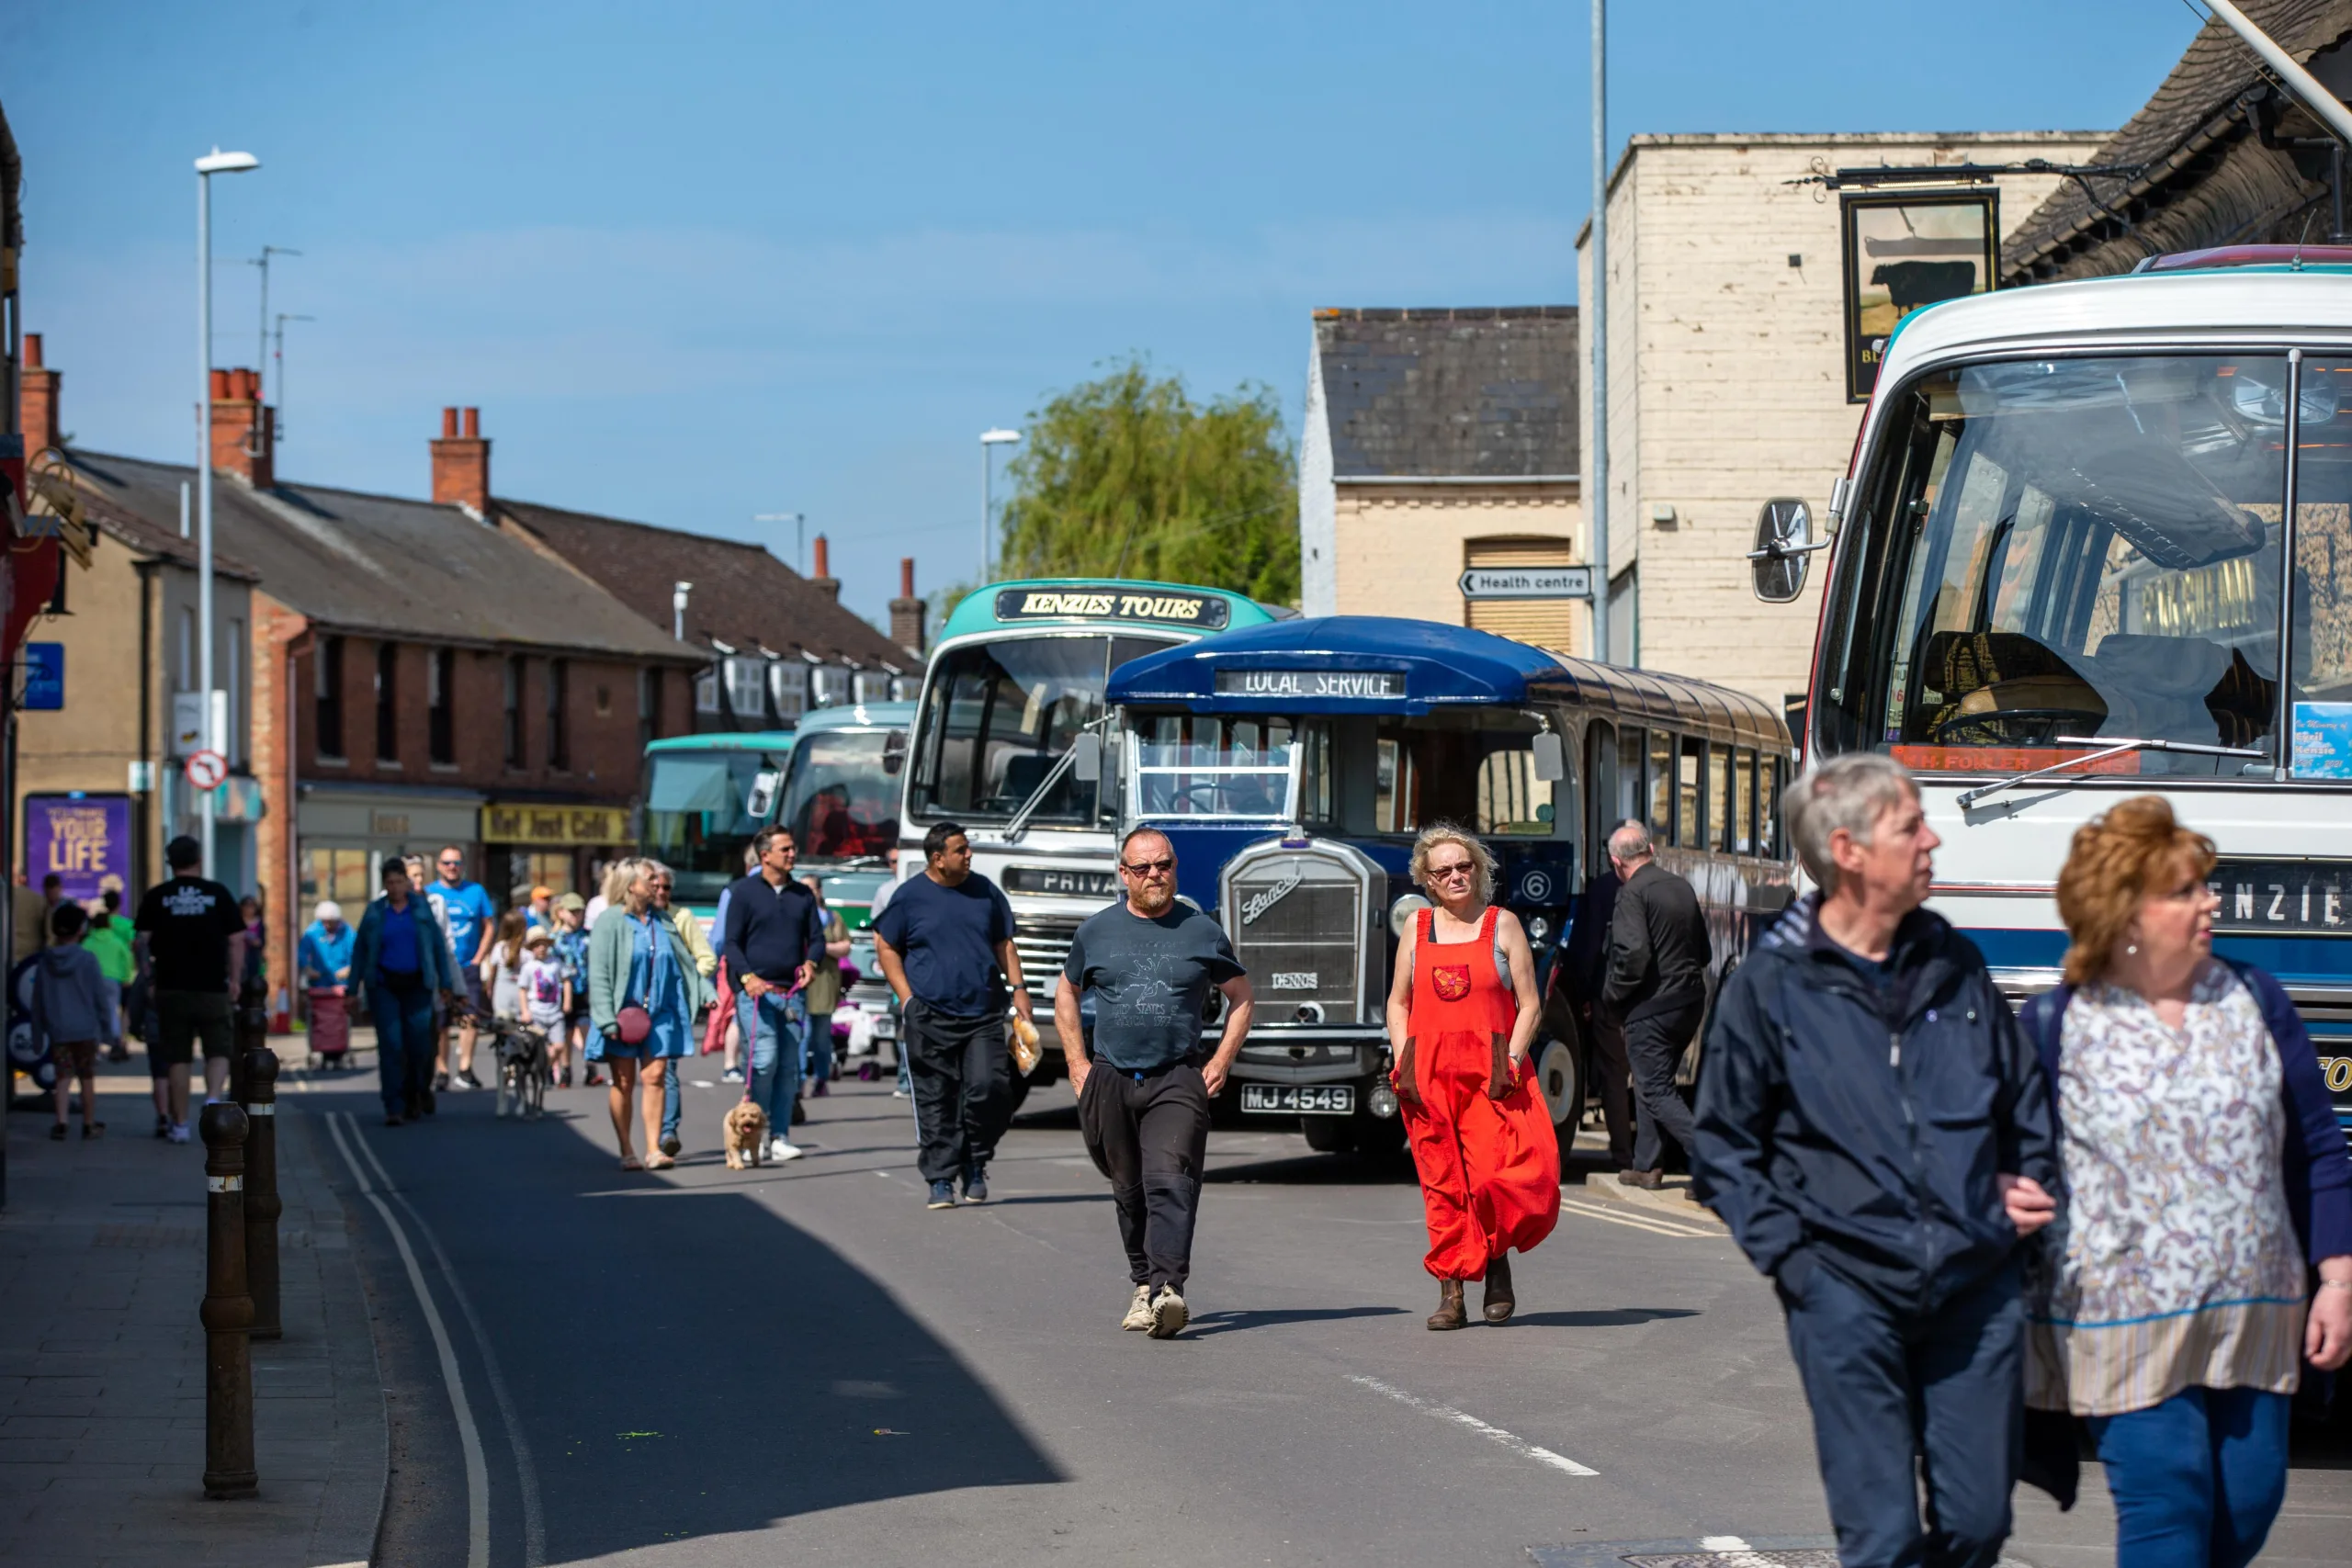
x=1042, y=942
x=1296, y=924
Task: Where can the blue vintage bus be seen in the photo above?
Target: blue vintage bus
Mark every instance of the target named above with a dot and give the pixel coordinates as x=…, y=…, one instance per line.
x=1292, y=765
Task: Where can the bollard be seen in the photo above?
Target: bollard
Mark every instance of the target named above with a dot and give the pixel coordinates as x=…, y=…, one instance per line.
x=228, y=1310
x=262, y=1203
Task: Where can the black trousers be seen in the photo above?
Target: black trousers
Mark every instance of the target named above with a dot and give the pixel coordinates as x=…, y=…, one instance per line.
x=961, y=1073
x=1150, y=1136
x=1653, y=1046
x=1616, y=1086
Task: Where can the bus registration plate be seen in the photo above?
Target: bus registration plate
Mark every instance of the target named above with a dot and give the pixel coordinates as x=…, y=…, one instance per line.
x=1300, y=1099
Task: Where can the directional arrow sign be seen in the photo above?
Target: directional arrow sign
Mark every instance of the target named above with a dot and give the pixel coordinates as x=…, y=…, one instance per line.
x=1528, y=582
x=206, y=770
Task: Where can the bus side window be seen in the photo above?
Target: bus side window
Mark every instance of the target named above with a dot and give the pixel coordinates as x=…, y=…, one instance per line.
x=1742, y=784
x=1625, y=806
x=1315, y=803
x=1395, y=790
x=1661, y=786
x=1769, y=777
x=1690, y=821
x=1719, y=807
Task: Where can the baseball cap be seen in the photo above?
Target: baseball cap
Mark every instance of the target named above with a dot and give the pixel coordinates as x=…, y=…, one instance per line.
x=571, y=901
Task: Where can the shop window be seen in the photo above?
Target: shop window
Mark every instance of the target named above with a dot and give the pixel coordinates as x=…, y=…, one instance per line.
x=326, y=665
x=535, y=868
x=348, y=876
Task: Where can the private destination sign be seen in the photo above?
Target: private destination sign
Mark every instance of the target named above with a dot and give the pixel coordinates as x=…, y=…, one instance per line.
x=1528, y=582
x=1310, y=684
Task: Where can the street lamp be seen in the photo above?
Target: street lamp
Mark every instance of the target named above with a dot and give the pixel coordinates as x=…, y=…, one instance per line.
x=800, y=521
x=213, y=163
x=990, y=441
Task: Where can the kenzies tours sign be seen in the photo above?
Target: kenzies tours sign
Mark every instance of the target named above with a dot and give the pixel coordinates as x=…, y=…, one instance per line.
x=1113, y=602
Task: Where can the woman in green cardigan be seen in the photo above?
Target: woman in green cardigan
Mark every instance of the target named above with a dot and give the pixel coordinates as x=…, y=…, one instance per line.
x=637, y=959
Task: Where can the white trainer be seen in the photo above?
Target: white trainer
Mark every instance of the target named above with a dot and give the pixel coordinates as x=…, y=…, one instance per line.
x=779, y=1150
x=1168, y=1313
x=1138, y=1318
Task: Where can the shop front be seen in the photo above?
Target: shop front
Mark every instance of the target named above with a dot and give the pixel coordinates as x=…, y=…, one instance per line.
x=344, y=832
x=560, y=846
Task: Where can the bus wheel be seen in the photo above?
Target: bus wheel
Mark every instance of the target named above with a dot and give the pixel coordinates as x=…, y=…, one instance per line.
x=1559, y=1073
x=1328, y=1134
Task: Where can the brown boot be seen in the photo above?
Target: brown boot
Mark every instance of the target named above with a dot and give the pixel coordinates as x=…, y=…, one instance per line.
x=1450, y=1313
x=1499, y=1302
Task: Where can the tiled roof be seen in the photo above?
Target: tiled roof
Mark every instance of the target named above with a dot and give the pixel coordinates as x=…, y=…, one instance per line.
x=150, y=540
x=2205, y=178
x=1451, y=393
x=387, y=565
x=742, y=595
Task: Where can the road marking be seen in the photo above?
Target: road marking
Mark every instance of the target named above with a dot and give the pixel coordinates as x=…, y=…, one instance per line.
x=1723, y=1543
x=468, y=1436
x=1639, y=1222
x=526, y=1477
x=1511, y=1440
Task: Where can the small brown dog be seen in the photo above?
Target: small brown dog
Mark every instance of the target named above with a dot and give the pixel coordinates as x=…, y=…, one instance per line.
x=747, y=1135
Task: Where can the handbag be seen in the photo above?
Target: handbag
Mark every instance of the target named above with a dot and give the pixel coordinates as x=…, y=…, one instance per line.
x=634, y=1023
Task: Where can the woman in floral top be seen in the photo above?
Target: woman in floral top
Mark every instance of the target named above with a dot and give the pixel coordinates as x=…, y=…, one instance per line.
x=2205, y=1177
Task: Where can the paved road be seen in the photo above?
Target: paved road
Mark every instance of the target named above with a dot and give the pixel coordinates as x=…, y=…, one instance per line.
x=703, y=1367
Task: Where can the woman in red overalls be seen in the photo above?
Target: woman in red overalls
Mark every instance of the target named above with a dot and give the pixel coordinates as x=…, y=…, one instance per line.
x=1462, y=1016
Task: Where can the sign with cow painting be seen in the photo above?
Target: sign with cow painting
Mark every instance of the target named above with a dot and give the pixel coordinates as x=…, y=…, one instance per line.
x=1904, y=251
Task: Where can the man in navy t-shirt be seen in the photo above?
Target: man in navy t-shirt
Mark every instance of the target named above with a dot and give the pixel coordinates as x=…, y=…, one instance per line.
x=942, y=940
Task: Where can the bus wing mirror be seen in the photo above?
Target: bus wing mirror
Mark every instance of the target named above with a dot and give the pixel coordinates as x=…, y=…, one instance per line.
x=762, y=799
x=1783, y=540
x=1550, y=757
x=1086, y=758
x=894, y=753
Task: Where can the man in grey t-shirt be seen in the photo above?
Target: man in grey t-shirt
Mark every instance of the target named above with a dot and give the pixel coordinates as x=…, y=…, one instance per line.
x=1147, y=963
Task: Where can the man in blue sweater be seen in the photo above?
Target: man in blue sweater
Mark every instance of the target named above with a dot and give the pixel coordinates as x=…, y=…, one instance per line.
x=771, y=942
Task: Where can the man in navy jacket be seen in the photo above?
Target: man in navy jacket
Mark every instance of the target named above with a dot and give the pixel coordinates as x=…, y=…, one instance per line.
x=1875, y=1130
x=772, y=943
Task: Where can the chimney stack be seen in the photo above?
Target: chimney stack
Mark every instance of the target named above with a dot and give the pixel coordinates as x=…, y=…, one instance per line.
x=824, y=582
x=37, y=402
x=461, y=464
x=241, y=429
x=907, y=611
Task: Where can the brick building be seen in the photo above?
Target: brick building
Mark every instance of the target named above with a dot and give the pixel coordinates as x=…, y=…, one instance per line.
x=1438, y=441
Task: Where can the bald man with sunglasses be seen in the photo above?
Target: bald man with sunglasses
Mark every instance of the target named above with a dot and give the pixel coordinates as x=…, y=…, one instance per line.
x=1143, y=1082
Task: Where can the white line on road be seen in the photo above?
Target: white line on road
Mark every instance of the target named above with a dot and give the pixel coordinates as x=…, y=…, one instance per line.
x=1511, y=1440
x=1723, y=1543
x=1640, y=1222
x=468, y=1436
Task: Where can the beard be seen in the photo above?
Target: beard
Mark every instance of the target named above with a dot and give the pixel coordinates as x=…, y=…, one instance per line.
x=1151, y=899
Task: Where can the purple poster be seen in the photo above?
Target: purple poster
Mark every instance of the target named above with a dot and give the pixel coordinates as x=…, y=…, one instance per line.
x=85, y=840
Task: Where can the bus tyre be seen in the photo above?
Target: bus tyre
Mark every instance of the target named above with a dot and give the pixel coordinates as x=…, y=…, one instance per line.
x=1329, y=1134
x=1559, y=1073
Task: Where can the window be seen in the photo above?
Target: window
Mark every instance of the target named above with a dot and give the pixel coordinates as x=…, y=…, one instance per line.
x=1512, y=800
x=1395, y=788
x=1661, y=785
x=1719, y=803
x=537, y=868
x=789, y=689
x=996, y=715
x=348, y=876
x=1625, y=806
x=1214, y=765
x=558, y=702
x=707, y=691
x=1315, y=800
x=1690, y=814
x=2319, y=666
x=517, y=748
x=388, y=711
x=840, y=796
x=649, y=708
x=1742, y=823
x=746, y=690
x=870, y=686
x=440, y=716
x=1547, y=623
x=326, y=665
x=232, y=744
x=831, y=684
x=1769, y=772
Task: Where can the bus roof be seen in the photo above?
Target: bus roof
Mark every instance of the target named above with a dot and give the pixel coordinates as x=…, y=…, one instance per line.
x=724, y=741
x=1441, y=666
x=1061, y=601
x=857, y=715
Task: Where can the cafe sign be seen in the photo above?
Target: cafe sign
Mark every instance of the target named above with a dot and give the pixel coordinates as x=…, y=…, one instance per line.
x=554, y=825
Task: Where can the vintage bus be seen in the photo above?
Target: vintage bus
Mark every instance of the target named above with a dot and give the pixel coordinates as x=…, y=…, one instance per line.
x=1292, y=765
x=699, y=808
x=2095, y=540
x=1014, y=684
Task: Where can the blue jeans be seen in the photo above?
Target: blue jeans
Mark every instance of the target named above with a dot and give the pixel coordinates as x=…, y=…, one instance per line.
x=2196, y=1480
x=775, y=1027
x=403, y=1043
x=670, y=1074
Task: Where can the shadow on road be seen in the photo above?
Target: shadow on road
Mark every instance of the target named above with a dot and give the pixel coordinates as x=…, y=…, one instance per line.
x=1614, y=1317
x=688, y=1367
x=1210, y=1323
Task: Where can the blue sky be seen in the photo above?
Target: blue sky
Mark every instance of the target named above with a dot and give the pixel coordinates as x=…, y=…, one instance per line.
x=699, y=262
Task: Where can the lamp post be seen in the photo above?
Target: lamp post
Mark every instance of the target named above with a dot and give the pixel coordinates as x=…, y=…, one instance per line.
x=800, y=521
x=213, y=163
x=1596, y=486
x=990, y=441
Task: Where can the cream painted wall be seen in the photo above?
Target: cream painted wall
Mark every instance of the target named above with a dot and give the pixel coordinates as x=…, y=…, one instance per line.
x=1400, y=546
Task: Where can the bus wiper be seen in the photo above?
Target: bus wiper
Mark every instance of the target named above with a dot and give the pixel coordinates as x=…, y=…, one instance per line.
x=2111, y=749
x=1062, y=765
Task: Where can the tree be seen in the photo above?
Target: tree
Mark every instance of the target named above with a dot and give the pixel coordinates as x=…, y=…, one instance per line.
x=1125, y=476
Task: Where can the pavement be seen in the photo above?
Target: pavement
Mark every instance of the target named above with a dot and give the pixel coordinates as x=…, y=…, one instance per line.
x=102, y=1265
x=701, y=1369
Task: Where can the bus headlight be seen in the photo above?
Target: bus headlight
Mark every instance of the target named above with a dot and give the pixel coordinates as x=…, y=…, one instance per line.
x=1381, y=1101
x=1401, y=913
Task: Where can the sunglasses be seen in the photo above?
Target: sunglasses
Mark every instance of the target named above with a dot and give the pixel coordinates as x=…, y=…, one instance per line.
x=1149, y=867
x=1448, y=873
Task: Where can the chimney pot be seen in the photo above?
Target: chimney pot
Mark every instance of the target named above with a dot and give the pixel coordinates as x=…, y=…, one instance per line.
x=906, y=577
x=221, y=385
x=32, y=351
x=907, y=611
x=37, y=407
x=823, y=557
x=448, y=424
x=473, y=424
x=241, y=428
x=824, y=582
x=461, y=464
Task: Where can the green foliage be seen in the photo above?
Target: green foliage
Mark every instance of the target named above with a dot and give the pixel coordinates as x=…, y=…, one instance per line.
x=1126, y=476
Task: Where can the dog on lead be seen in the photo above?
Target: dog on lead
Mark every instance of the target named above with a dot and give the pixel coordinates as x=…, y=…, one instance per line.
x=746, y=1135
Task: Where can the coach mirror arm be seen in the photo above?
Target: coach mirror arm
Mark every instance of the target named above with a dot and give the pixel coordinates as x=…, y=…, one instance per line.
x=1783, y=540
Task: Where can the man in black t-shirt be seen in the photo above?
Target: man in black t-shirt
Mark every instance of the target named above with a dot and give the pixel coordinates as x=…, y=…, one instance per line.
x=1142, y=1088
x=190, y=945
x=942, y=940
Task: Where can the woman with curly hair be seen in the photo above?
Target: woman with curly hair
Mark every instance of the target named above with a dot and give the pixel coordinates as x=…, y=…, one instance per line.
x=2205, y=1175
x=1462, y=1017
